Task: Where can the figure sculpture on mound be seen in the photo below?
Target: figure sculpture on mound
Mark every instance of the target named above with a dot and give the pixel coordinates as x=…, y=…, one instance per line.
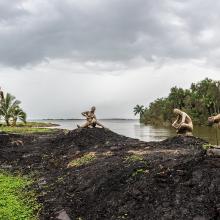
x=91, y=120
x=183, y=123
x=214, y=120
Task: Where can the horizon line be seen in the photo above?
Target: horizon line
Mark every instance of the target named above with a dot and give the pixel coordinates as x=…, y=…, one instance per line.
x=81, y=119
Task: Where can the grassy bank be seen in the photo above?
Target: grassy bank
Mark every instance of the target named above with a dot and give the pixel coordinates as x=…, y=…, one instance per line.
x=27, y=130
x=15, y=202
x=30, y=128
x=32, y=124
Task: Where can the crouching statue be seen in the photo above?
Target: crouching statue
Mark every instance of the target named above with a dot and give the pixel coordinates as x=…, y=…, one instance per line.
x=183, y=123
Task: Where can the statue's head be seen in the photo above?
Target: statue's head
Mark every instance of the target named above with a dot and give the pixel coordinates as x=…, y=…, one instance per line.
x=177, y=111
x=211, y=120
x=93, y=109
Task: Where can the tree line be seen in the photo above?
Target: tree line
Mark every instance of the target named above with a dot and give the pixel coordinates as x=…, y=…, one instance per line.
x=10, y=110
x=200, y=101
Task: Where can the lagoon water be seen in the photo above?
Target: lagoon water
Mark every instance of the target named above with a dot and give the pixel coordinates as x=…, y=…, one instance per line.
x=132, y=128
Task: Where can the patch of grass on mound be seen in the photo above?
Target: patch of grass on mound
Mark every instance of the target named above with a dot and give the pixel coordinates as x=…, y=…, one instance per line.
x=84, y=160
x=207, y=146
x=15, y=203
x=134, y=158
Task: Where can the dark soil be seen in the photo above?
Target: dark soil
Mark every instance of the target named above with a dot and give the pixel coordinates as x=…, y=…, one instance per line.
x=172, y=179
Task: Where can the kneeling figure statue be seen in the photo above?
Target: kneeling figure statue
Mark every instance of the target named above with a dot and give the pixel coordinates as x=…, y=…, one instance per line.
x=91, y=120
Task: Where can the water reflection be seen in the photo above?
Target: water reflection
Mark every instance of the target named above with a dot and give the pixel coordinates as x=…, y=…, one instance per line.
x=211, y=134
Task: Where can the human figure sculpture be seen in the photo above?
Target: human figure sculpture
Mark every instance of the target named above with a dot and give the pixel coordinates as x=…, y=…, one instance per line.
x=91, y=120
x=214, y=119
x=183, y=123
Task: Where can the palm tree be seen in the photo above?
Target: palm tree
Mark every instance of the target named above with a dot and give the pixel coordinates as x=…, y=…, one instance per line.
x=139, y=109
x=9, y=109
x=18, y=113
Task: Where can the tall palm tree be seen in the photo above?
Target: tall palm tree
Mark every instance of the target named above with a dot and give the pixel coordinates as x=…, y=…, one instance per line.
x=139, y=109
x=9, y=109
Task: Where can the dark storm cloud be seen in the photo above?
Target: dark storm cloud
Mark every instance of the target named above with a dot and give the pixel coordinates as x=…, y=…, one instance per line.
x=108, y=30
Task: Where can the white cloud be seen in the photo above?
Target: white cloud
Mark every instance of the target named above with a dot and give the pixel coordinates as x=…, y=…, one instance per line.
x=61, y=57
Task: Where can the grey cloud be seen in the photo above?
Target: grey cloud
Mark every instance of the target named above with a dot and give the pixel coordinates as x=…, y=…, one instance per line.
x=108, y=31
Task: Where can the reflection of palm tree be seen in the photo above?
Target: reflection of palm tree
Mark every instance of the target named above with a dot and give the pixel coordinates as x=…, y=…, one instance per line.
x=10, y=109
x=139, y=109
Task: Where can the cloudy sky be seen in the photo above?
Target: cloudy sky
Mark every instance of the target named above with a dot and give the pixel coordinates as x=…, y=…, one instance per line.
x=61, y=57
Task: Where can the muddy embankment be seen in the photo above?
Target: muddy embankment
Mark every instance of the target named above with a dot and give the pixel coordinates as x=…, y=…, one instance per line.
x=90, y=174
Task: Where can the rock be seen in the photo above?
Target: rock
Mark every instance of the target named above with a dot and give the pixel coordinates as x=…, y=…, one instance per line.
x=213, y=152
x=62, y=215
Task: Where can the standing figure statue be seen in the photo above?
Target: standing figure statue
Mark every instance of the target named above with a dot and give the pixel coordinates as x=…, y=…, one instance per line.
x=91, y=120
x=183, y=123
x=214, y=119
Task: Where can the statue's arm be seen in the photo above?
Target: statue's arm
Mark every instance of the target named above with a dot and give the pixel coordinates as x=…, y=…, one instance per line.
x=175, y=122
x=84, y=114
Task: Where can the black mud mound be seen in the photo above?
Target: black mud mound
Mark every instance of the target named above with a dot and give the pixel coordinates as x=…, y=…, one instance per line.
x=126, y=178
x=168, y=181
x=93, y=137
x=4, y=139
x=183, y=141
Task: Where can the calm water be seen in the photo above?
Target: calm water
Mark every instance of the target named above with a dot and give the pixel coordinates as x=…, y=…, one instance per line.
x=132, y=128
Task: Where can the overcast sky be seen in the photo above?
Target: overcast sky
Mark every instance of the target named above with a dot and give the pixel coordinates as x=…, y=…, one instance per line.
x=61, y=57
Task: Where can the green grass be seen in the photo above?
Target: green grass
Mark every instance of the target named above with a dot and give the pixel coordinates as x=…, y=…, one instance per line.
x=138, y=172
x=27, y=130
x=207, y=146
x=84, y=160
x=36, y=124
x=15, y=203
x=134, y=158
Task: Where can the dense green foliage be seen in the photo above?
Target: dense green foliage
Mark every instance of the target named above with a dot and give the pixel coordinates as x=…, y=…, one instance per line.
x=200, y=101
x=15, y=203
x=11, y=111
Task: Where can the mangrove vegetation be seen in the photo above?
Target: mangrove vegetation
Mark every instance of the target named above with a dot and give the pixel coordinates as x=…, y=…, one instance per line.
x=200, y=101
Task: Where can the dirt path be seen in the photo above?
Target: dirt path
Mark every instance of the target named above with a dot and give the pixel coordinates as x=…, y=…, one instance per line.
x=94, y=174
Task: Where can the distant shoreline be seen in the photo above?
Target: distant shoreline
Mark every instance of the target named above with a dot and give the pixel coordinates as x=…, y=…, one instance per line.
x=79, y=119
